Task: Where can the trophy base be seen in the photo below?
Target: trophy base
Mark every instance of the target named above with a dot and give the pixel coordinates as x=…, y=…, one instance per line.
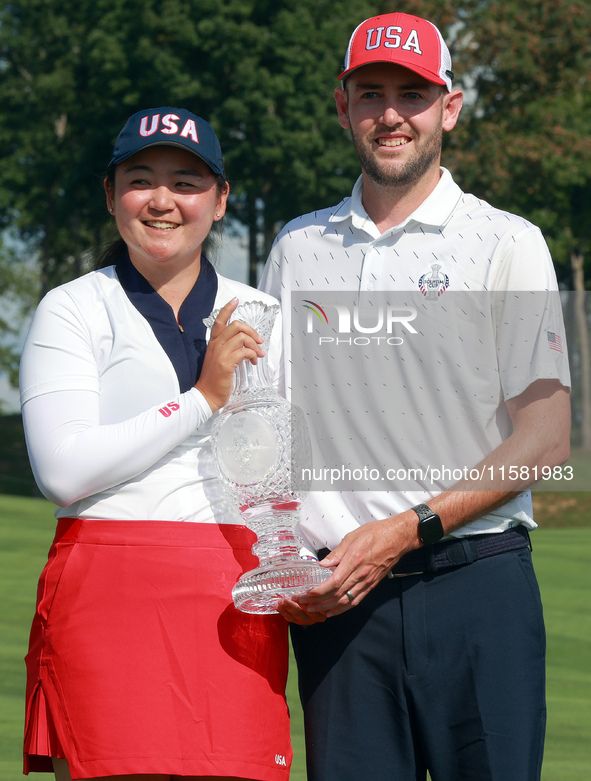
x=260, y=590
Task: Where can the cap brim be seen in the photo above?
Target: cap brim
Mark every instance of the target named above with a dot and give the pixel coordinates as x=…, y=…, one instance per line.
x=426, y=74
x=121, y=158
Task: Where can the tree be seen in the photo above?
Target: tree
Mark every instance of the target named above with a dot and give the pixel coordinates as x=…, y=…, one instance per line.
x=17, y=300
x=523, y=142
x=278, y=120
x=72, y=73
x=262, y=72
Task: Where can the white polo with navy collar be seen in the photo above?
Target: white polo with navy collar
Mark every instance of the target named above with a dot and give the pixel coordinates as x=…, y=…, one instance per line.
x=111, y=433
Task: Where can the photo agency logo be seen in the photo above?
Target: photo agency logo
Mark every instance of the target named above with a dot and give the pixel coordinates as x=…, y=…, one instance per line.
x=375, y=323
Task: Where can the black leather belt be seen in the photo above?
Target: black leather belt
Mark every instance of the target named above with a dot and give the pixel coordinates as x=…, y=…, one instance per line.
x=457, y=553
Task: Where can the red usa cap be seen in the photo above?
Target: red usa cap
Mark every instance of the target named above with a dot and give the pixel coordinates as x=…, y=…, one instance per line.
x=167, y=126
x=404, y=40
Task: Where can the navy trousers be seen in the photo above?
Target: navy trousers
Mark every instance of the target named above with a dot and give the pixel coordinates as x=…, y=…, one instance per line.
x=440, y=672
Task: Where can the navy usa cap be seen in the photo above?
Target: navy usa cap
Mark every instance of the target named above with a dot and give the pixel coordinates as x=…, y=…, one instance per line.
x=169, y=127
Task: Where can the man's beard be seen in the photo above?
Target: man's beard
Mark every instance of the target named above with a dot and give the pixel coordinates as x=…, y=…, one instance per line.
x=404, y=175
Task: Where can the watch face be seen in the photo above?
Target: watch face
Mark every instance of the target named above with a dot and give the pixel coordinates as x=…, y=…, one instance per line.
x=430, y=529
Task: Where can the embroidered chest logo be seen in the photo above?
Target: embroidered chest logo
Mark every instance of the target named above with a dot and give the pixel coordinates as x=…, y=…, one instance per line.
x=433, y=284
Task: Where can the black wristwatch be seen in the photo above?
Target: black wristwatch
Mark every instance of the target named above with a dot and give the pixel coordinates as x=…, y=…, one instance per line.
x=430, y=528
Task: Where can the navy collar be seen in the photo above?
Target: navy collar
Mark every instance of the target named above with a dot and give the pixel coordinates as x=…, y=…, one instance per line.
x=185, y=348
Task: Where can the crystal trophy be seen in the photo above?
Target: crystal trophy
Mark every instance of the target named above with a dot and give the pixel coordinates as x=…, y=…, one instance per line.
x=259, y=440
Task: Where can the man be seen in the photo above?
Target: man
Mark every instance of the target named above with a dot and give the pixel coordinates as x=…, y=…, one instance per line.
x=424, y=651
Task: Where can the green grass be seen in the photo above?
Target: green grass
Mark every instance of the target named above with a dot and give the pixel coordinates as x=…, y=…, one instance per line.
x=563, y=563
x=26, y=531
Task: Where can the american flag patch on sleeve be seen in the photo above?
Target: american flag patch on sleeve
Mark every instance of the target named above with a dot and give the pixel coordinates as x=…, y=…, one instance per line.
x=554, y=341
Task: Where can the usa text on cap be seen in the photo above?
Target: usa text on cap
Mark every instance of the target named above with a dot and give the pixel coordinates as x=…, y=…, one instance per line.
x=170, y=127
x=401, y=39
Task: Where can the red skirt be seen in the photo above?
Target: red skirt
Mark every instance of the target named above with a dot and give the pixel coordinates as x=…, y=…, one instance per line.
x=139, y=663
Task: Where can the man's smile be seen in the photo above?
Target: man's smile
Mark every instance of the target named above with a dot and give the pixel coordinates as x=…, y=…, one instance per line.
x=393, y=141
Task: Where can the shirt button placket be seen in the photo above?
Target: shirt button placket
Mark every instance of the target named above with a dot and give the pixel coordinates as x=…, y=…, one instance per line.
x=368, y=273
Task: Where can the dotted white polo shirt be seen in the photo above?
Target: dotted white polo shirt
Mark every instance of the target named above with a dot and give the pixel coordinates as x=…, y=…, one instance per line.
x=442, y=390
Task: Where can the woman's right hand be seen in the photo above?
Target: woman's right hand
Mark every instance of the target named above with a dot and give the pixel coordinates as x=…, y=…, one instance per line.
x=228, y=346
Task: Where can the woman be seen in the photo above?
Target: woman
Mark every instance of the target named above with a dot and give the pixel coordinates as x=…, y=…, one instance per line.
x=139, y=666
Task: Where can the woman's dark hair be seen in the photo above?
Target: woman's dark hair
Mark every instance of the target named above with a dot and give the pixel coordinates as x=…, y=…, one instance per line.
x=116, y=250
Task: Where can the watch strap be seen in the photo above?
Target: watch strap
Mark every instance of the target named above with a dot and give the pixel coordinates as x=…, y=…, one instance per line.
x=423, y=511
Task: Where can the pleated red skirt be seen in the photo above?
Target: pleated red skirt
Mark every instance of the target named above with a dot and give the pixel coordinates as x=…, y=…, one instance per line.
x=139, y=663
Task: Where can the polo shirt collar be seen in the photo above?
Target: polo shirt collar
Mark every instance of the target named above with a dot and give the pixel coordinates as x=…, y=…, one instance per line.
x=184, y=346
x=435, y=210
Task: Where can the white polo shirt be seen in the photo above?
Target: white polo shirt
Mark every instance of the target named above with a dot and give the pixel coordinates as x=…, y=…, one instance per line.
x=455, y=253
x=109, y=432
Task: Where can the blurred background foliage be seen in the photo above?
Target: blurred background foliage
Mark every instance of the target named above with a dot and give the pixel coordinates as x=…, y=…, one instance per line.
x=263, y=72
